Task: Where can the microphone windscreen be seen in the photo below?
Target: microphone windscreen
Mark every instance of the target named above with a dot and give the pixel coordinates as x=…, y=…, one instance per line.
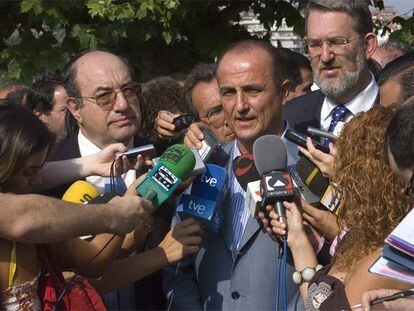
x=245, y=169
x=80, y=192
x=180, y=160
x=269, y=154
x=312, y=177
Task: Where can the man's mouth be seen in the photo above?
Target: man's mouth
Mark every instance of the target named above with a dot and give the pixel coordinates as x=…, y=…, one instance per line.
x=330, y=71
x=122, y=120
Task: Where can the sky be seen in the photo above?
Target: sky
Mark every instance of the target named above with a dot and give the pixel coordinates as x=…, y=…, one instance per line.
x=401, y=6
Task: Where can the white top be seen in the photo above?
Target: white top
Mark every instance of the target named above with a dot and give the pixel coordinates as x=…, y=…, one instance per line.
x=363, y=101
x=86, y=147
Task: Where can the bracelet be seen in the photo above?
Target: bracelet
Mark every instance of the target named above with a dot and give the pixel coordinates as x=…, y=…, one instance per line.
x=305, y=275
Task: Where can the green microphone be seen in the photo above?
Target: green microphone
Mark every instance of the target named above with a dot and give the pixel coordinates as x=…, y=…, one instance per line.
x=175, y=165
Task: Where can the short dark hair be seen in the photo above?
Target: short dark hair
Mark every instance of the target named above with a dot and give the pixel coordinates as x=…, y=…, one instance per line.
x=358, y=10
x=22, y=134
x=400, y=70
x=202, y=72
x=279, y=72
x=399, y=137
x=293, y=63
x=40, y=95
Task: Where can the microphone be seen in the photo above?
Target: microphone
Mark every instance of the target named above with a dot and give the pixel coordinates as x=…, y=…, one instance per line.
x=276, y=186
x=199, y=167
x=314, y=187
x=175, y=165
x=253, y=197
x=84, y=192
x=245, y=170
x=80, y=192
x=209, y=145
x=205, y=198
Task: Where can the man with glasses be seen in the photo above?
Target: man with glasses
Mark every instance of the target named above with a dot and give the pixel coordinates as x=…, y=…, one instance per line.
x=202, y=96
x=339, y=40
x=103, y=100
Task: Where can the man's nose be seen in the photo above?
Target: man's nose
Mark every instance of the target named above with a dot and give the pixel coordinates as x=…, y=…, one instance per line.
x=241, y=102
x=326, y=54
x=121, y=102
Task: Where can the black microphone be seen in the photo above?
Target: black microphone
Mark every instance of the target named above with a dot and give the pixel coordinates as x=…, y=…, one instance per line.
x=245, y=170
x=276, y=186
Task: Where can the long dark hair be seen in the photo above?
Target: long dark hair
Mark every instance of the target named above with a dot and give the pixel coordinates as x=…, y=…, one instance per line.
x=22, y=134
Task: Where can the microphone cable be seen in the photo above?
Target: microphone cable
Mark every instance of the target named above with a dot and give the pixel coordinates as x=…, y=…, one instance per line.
x=281, y=277
x=82, y=268
x=284, y=276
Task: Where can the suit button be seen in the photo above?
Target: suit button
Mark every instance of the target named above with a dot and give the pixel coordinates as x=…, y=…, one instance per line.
x=235, y=295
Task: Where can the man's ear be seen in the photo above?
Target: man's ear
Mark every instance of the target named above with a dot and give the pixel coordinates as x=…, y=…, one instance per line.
x=42, y=117
x=371, y=42
x=74, y=109
x=284, y=89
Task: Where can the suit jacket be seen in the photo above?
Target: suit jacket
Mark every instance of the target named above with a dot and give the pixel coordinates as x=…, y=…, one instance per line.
x=219, y=278
x=304, y=111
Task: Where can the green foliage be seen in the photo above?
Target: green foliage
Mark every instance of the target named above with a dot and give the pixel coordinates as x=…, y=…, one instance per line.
x=156, y=36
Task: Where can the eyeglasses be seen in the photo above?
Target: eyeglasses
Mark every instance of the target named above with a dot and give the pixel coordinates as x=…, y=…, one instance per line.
x=215, y=117
x=337, y=45
x=409, y=190
x=107, y=99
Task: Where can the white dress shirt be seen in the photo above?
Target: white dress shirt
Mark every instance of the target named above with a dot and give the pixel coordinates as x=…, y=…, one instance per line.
x=363, y=101
x=86, y=147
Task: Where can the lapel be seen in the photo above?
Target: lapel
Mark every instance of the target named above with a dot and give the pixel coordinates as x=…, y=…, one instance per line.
x=226, y=226
x=226, y=230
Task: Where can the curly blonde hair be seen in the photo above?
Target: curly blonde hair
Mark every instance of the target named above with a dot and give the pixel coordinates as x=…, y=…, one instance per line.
x=372, y=199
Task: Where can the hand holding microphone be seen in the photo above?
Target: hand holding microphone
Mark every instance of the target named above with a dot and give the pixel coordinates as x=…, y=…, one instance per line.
x=324, y=161
x=183, y=239
x=293, y=226
x=270, y=158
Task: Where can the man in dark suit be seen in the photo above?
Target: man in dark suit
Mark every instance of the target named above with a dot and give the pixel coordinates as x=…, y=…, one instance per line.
x=103, y=100
x=339, y=40
x=236, y=268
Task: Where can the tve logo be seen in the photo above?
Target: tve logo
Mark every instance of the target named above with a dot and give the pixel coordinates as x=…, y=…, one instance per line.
x=197, y=207
x=209, y=180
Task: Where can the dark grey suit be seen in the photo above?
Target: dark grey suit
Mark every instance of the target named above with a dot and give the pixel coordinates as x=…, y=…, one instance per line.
x=304, y=111
x=217, y=278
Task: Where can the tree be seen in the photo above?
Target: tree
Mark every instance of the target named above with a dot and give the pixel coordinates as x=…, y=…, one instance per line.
x=156, y=36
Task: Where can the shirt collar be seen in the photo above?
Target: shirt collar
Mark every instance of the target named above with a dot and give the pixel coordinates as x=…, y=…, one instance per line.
x=87, y=147
x=363, y=101
x=291, y=148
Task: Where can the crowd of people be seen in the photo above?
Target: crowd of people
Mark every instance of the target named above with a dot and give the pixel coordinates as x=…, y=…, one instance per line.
x=121, y=253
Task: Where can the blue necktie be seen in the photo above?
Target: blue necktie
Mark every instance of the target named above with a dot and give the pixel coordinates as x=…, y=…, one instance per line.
x=338, y=114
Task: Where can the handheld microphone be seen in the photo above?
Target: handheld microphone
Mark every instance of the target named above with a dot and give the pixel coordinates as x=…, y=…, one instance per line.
x=321, y=133
x=245, y=170
x=253, y=197
x=207, y=194
x=270, y=158
x=80, y=192
x=209, y=144
x=175, y=165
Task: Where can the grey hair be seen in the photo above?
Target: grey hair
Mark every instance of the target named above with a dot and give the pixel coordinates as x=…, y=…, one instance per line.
x=358, y=10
